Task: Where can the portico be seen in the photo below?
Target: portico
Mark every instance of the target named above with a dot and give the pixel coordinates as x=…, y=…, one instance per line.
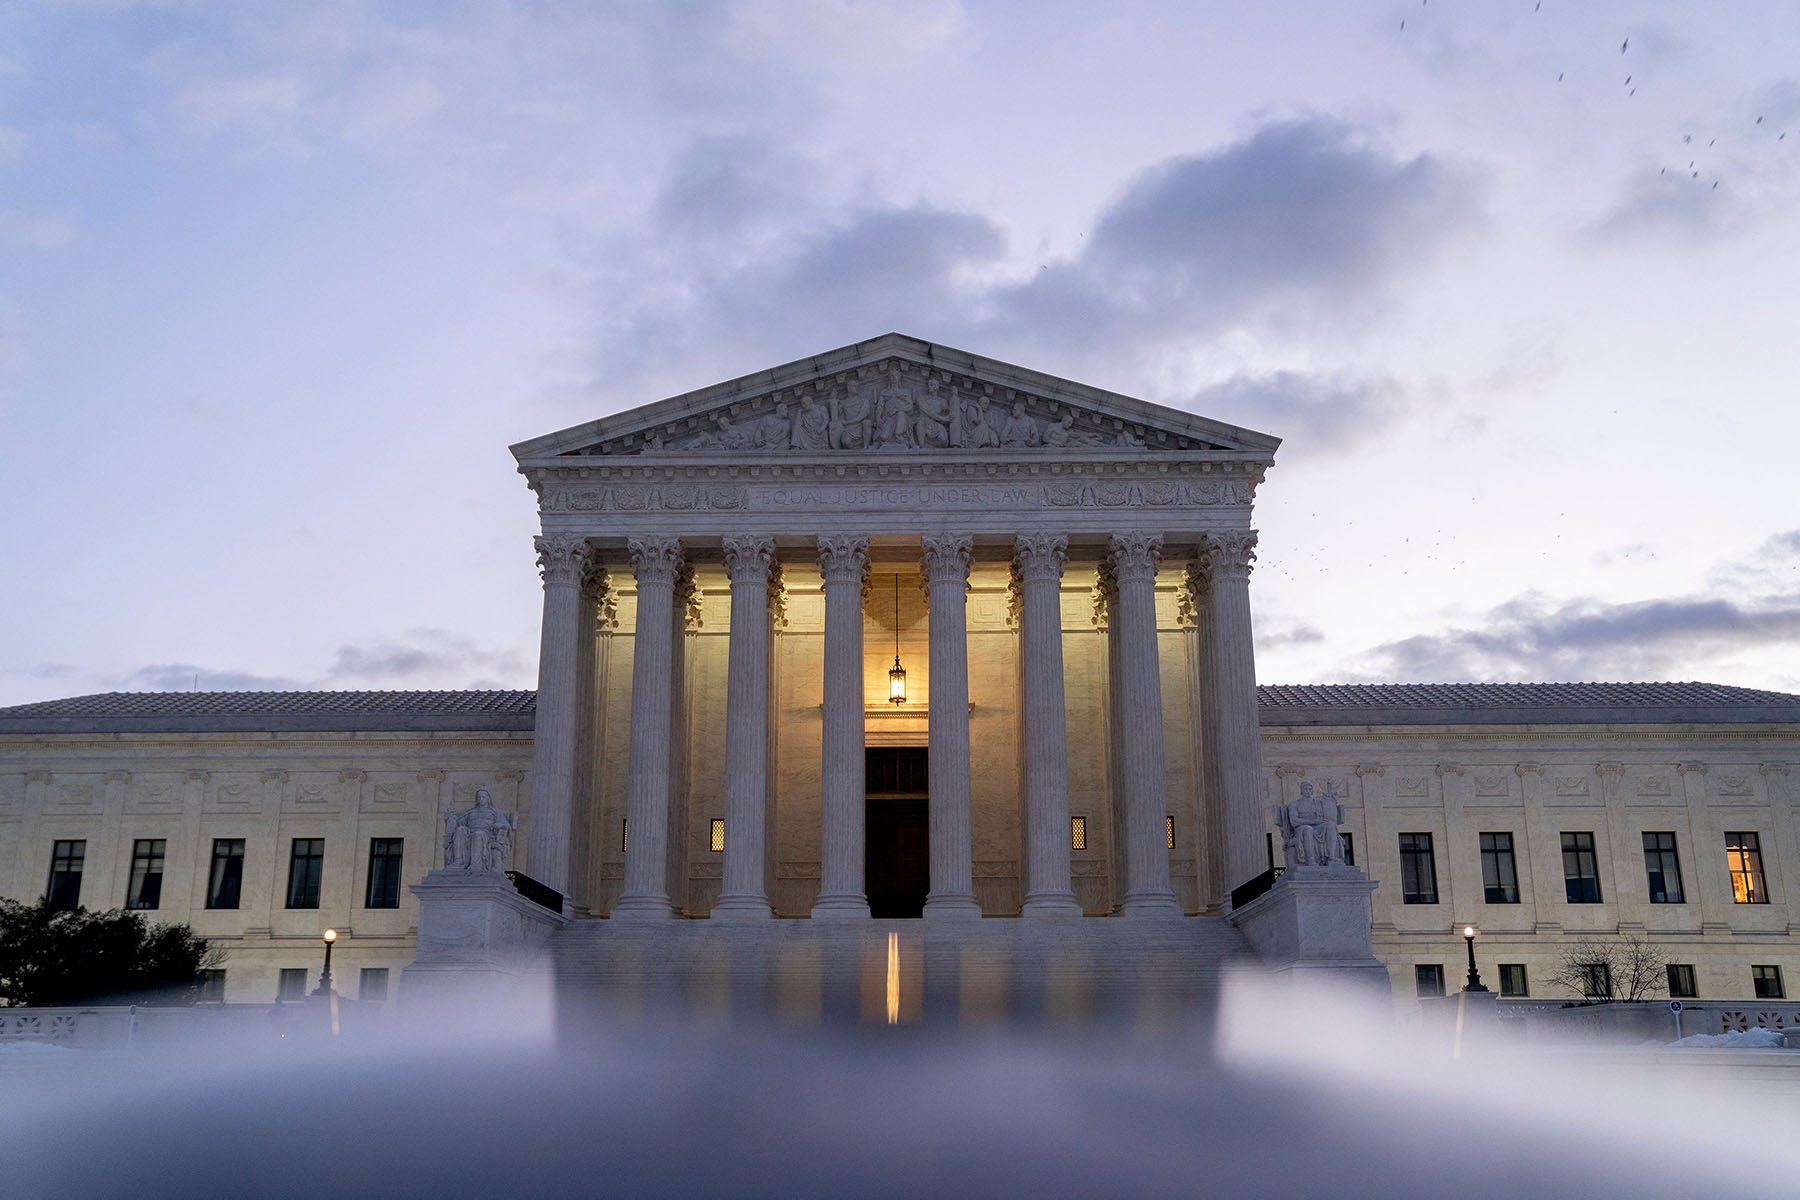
x=1054, y=545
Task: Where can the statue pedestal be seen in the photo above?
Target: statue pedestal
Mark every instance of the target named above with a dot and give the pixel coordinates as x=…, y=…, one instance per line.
x=476, y=932
x=1315, y=920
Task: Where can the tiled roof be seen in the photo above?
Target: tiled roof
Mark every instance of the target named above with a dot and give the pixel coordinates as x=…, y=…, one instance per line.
x=1523, y=703
x=239, y=711
x=1305, y=704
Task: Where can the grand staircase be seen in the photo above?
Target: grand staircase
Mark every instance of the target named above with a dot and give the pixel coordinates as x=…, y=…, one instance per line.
x=1114, y=971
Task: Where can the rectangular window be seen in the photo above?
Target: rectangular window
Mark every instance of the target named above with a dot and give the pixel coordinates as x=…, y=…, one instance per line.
x=212, y=988
x=1078, y=833
x=64, y=889
x=1596, y=980
x=1662, y=865
x=306, y=866
x=1767, y=982
x=1499, y=873
x=145, y=891
x=1581, y=870
x=1681, y=982
x=1743, y=855
x=1169, y=827
x=225, y=884
x=1418, y=869
x=1428, y=979
x=1349, y=849
x=371, y=985
x=717, y=834
x=385, y=858
x=624, y=834
x=1512, y=980
x=292, y=986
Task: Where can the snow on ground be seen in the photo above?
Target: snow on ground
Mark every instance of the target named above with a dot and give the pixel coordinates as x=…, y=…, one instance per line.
x=1752, y=1038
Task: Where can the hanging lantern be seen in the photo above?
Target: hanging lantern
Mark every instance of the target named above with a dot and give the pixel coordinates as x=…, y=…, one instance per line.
x=897, y=673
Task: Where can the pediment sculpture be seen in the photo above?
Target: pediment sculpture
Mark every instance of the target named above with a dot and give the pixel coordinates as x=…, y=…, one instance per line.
x=898, y=407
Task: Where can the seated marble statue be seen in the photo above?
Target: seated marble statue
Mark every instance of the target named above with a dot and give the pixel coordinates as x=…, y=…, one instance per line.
x=1309, y=828
x=479, y=838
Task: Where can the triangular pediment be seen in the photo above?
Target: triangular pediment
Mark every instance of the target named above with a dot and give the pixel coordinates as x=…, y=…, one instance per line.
x=895, y=394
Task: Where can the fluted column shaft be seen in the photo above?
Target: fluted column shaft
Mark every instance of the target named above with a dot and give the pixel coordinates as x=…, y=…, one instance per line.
x=1039, y=560
x=1234, y=707
x=946, y=563
x=744, y=893
x=844, y=564
x=563, y=562
x=1147, y=890
x=1212, y=808
x=656, y=562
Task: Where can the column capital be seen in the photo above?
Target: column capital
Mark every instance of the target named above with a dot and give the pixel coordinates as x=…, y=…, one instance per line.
x=946, y=557
x=1106, y=590
x=1134, y=555
x=1040, y=556
x=1193, y=594
x=778, y=614
x=655, y=560
x=844, y=559
x=562, y=558
x=1231, y=552
x=748, y=559
x=687, y=598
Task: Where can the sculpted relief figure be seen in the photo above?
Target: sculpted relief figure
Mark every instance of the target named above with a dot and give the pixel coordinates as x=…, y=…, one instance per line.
x=812, y=425
x=935, y=426
x=1020, y=429
x=894, y=416
x=480, y=838
x=977, y=433
x=1309, y=828
x=775, y=428
x=850, y=419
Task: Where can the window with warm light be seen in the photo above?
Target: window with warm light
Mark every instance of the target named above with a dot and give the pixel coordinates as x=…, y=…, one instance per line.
x=1078, y=833
x=1743, y=857
x=1169, y=828
x=717, y=842
x=624, y=834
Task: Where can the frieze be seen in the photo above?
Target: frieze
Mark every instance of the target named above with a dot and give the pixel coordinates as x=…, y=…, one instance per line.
x=893, y=497
x=889, y=407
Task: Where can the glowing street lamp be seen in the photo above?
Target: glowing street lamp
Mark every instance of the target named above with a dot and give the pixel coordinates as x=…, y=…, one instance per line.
x=897, y=673
x=329, y=937
x=1474, y=984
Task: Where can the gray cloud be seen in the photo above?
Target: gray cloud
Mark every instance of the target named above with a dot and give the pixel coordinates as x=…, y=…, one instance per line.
x=1302, y=219
x=1290, y=635
x=430, y=656
x=1303, y=214
x=182, y=677
x=1671, y=204
x=1313, y=413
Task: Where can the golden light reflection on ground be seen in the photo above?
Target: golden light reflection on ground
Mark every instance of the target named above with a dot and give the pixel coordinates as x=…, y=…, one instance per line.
x=893, y=979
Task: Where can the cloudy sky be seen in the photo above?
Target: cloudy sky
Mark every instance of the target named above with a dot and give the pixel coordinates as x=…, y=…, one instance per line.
x=280, y=282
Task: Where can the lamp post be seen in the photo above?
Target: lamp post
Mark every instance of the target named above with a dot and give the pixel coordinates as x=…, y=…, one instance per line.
x=330, y=938
x=1474, y=984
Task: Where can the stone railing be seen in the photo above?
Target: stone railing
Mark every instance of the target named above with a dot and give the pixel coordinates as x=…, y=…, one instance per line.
x=1640, y=1020
x=113, y=1026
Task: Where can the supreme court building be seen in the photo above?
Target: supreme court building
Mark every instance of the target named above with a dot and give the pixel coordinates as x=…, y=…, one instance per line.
x=901, y=632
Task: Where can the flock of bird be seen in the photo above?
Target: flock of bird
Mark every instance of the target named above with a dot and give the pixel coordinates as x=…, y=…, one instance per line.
x=1693, y=168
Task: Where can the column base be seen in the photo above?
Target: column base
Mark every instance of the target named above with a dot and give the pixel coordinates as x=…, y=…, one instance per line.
x=1157, y=903
x=841, y=908
x=1052, y=904
x=643, y=908
x=742, y=908
x=952, y=908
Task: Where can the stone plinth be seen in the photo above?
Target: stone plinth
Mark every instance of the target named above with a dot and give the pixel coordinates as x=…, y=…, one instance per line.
x=1316, y=919
x=475, y=929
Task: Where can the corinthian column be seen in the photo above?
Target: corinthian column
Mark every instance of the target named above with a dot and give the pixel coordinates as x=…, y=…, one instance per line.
x=1147, y=890
x=1039, y=559
x=656, y=561
x=946, y=563
x=844, y=563
x=744, y=894
x=563, y=562
x=1234, y=706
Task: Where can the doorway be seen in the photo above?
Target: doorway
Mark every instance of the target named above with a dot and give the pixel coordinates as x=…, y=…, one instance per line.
x=897, y=831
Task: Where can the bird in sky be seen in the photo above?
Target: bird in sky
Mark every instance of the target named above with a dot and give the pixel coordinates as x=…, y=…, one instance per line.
x=1624, y=44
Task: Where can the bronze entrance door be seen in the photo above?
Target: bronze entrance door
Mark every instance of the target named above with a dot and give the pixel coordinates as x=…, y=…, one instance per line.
x=897, y=847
